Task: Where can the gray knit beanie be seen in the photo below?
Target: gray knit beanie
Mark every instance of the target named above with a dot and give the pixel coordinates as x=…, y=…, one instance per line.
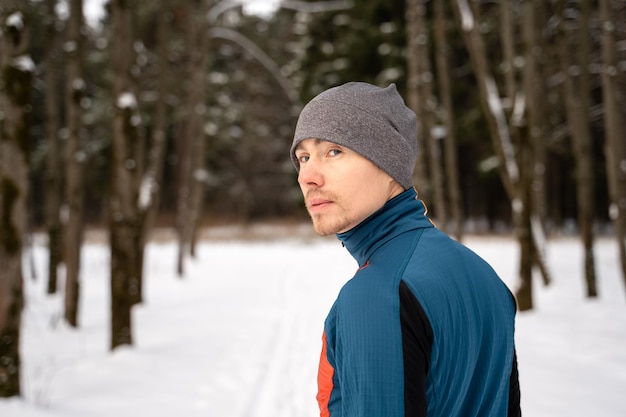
x=370, y=120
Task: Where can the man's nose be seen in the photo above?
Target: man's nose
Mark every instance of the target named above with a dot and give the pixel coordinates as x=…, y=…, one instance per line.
x=310, y=174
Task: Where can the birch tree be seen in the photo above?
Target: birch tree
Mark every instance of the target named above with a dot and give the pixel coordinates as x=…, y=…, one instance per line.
x=16, y=68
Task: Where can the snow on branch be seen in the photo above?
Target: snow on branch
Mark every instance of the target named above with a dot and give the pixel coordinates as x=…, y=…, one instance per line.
x=127, y=100
x=78, y=84
x=146, y=190
x=467, y=18
x=495, y=107
x=519, y=109
x=15, y=20
x=23, y=63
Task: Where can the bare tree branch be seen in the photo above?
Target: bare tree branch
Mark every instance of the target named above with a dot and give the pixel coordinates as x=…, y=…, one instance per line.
x=259, y=55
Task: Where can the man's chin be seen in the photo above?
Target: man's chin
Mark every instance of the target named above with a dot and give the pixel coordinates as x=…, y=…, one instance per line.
x=323, y=231
x=324, y=228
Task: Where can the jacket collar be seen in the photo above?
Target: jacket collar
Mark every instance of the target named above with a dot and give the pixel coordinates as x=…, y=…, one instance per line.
x=401, y=214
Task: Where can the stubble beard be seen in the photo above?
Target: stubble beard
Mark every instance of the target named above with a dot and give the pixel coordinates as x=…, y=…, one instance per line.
x=330, y=223
x=326, y=226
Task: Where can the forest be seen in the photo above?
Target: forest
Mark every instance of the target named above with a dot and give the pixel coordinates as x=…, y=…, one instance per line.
x=179, y=114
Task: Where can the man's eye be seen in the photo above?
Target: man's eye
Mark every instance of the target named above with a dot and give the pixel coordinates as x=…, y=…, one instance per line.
x=334, y=152
x=303, y=158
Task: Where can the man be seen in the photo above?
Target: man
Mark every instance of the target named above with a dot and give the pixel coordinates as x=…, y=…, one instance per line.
x=425, y=326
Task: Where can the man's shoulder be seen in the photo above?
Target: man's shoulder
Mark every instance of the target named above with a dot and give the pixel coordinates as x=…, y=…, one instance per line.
x=373, y=284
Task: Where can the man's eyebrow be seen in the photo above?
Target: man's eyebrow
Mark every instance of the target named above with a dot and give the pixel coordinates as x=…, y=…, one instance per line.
x=299, y=146
x=317, y=141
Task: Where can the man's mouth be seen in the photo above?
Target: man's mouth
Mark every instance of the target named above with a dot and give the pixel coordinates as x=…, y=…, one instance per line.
x=318, y=203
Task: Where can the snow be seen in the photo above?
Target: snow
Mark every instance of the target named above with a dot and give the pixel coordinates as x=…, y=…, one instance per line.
x=70, y=46
x=127, y=100
x=467, y=17
x=15, y=20
x=262, y=8
x=93, y=11
x=240, y=334
x=495, y=106
x=145, y=192
x=24, y=63
x=78, y=84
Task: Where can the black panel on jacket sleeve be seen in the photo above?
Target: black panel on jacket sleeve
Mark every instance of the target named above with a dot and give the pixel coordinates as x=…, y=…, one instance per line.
x=514, y=390
x=417, y=341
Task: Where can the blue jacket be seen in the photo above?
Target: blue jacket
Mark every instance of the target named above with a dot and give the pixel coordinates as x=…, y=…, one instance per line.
x=424, y=328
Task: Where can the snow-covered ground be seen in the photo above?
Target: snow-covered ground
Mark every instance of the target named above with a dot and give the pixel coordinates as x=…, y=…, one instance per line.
x=239, y=335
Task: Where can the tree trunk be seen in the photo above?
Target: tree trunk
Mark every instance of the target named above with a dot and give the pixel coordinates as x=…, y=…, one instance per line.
x=53, y=158
x=17, y=69
x=183, y=150
x=433, y=149
x=75, y=161
x=507, y=30
x=447, y=114
x=540, y=115
x=418, y=46
x=521, y=127
x=123, y=215
x=490, y=99
x=421, y=100
x=150, y=189
x=577, y=108
x=535, y=148
x=584, y=151
x=414, y=99
x=515, y=181
x=522, y=214
x=197, y=118
x=615, y=148
x=193, y=142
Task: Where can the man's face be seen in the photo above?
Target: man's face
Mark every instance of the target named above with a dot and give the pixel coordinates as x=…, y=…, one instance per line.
x=341, y=188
